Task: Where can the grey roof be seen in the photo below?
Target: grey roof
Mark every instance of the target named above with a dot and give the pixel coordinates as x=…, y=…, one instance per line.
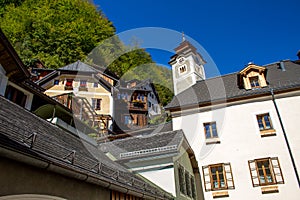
x=225, y=88
x=155, y=140
x=18, y=126
x=78, y=67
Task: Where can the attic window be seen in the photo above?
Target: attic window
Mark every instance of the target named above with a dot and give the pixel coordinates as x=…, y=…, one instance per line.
x=254, y=82
x=252, y=77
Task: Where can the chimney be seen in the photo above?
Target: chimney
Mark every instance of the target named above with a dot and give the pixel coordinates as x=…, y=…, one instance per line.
x=281, y=64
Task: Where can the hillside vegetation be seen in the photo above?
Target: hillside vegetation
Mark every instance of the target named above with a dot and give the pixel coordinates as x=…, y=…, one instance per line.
x=61, y=32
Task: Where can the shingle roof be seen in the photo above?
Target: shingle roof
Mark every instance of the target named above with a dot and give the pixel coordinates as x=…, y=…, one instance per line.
x=155, y=140
x=25, y=132
x=226, y=87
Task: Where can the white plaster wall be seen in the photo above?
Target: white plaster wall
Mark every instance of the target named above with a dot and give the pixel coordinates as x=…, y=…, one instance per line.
x=241, y=141
x=164, y=178
x=289, y=109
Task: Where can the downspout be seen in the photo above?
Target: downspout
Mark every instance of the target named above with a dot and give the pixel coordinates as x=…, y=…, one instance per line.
x=285, y=137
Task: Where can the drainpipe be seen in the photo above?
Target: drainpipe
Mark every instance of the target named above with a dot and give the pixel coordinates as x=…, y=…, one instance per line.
x=285, y=137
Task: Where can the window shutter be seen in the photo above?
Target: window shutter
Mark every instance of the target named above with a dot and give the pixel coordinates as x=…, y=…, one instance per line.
x=277, y=170
x=228, y=175
x=206, y=177
x=253, y=172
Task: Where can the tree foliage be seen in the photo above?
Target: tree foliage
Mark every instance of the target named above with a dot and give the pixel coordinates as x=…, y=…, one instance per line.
x=55, y=32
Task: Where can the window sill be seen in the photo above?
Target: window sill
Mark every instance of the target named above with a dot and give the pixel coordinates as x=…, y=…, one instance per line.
x=220, y=194
x=213, y=141
x=269, y=189
x=269, y=132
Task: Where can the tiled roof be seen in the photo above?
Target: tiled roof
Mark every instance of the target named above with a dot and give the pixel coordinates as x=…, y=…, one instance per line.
x=155, y=140
x=226, y=87
x=25, y=132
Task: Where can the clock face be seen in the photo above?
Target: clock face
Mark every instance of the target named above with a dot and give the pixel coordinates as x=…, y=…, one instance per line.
x=180, y=60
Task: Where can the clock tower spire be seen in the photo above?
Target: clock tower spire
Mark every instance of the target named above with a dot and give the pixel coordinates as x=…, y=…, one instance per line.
x=187, y=66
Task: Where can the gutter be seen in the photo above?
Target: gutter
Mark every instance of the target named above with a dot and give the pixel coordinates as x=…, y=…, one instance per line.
x=285, y=137
x=48, y=165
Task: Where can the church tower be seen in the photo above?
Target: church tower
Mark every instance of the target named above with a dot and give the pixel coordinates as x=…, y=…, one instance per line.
x=187, y=66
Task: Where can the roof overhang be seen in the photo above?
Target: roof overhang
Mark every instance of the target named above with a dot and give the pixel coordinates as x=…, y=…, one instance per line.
x=10, y=61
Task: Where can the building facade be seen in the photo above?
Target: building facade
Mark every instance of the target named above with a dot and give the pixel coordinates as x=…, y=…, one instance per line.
x=243, y=130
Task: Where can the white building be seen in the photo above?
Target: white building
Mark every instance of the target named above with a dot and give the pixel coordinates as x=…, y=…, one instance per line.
x=243, y=130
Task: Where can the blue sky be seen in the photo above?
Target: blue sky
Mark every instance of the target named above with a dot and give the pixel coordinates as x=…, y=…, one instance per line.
x=231, y=32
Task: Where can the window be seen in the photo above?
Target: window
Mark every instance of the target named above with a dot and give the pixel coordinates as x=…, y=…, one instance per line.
x=143, y=97
x=69, y=84
x=218, y=177
x=83, y=83
x=95, y=85
x=96, y=104
x=193, y=187
x=265, y=171
x=254, y=82
x=210, y=130
x=264, y=122
x=56, y=82
x=182, y=69
x=15, y=96
x=186, y=182
x=127, y=119
x=182, y=184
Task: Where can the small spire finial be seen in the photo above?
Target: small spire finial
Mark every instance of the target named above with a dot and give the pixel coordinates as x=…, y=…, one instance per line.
x=183, y=38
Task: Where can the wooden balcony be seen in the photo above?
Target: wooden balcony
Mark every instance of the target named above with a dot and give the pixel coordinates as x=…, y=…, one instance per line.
x=138, y=106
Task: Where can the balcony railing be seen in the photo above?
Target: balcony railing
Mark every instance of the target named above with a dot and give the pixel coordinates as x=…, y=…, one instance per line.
x=138, y=105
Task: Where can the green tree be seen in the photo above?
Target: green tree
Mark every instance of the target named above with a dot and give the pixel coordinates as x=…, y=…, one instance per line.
x=55, y=32
x=4, y=3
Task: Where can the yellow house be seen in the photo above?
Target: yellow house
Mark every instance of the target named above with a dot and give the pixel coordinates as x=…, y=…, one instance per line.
x=89, y=85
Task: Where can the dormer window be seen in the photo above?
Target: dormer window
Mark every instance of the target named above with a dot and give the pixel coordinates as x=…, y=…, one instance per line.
x=252, y=77
x=254, y=82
